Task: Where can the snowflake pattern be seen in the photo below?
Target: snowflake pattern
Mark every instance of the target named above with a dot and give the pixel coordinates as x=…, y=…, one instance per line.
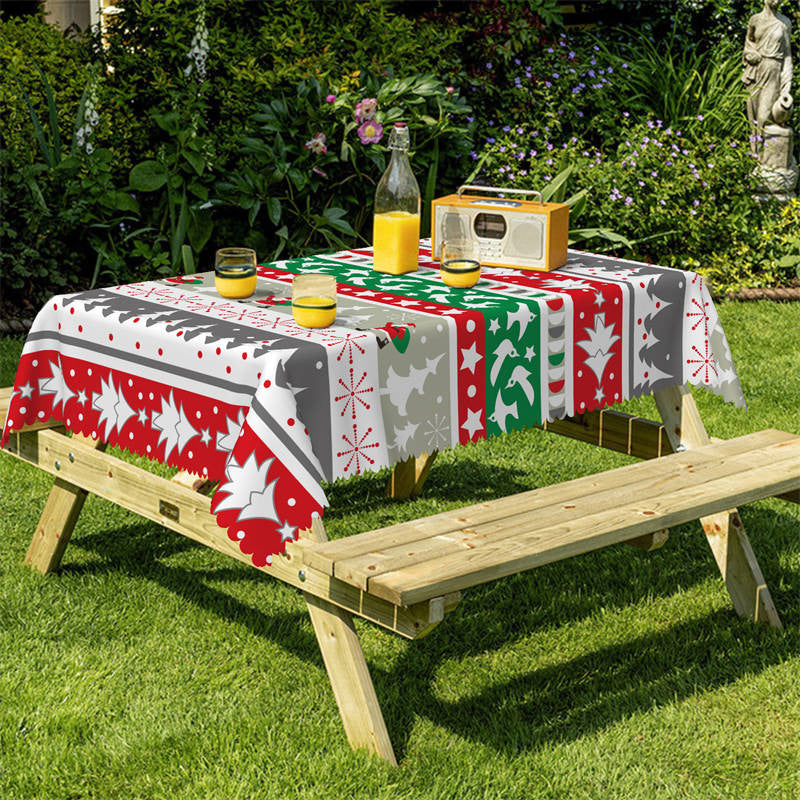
x=702, y=315
x=437, y=432
x=357, y=447
x=706, y=362
x=352, y=394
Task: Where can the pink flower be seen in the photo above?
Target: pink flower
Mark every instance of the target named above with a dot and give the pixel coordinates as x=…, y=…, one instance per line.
x=319, y=172
x=365, y=110
x=450, y=89
x=317, y=144
x=331, y=98
x=370, y=132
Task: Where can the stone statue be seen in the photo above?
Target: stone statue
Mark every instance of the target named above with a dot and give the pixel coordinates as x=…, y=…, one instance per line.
x=768, y=75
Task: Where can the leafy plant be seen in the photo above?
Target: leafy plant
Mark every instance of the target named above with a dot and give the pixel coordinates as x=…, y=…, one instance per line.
x=688, y=88
x=182, y=212
x=308, y=177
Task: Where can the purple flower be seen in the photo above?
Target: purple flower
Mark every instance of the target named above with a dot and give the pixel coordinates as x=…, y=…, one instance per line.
x=511, y=176
x=571, y=54
x=547, y=84
x=556, y=76
x=624, y=66
x=628, y=201
x=654, y=174
x=331, y=98
x=523, y=172
x=473, y=155
x=591, y=73
x=470, y=119
x=549, y=161
x=370, y=132
x=520, y=131
x=549, y=145
x=700, y=117
x=365, y=110
x=317, y=144
x=625, y=114
x=506, y=128
x=579, y=113
x=490, y=140
x=502, y=148
x=520, y=155
x=488, y=65
x=533, y=153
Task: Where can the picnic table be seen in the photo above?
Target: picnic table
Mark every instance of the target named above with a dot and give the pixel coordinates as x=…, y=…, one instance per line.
x=259, y=414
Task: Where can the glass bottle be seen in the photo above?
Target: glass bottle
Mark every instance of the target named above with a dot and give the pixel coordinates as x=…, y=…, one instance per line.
x=395, y=233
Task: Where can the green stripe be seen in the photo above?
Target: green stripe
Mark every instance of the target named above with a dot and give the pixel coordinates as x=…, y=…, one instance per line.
x=497, y=311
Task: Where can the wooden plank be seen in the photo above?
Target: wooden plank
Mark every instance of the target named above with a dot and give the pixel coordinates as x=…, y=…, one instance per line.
x=541, y=501
x=535, y=544
x=184, y=511
x=348, y=672
x=724, y=531
x=790, y=497
x=409, y=476
x=615, y=430
x=193, y=481
x=679, y=471
x=55, y=526
x=650, y=541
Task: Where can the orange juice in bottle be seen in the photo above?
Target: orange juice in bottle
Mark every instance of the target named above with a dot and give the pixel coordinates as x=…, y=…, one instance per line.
x=395, y=233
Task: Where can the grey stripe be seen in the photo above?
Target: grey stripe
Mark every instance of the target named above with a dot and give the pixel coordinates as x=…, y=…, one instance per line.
x=284, y=438
x=126, y=355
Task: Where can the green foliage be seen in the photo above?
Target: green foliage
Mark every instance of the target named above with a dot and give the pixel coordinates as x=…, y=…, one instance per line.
x=679, y=200
x=301, y=201
x=686, y=87
x=31, y=52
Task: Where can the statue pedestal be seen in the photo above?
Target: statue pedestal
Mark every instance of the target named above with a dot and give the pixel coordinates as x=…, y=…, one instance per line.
x=777, y=173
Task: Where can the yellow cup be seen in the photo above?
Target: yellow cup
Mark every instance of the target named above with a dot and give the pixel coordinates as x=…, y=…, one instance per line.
x=235, y=272
x=314, y=300
x=461, y=265
x=461, y=273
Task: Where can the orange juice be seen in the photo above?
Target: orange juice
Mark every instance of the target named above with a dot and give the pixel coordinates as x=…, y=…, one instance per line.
x=395, y=238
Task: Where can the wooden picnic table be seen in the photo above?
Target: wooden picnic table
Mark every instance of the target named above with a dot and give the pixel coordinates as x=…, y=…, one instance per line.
x=408, y=576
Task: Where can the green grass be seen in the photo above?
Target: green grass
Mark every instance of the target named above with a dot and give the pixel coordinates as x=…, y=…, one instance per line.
x=151, y=667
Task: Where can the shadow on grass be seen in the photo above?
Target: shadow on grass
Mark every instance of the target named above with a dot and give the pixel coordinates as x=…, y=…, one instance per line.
x=564, y=701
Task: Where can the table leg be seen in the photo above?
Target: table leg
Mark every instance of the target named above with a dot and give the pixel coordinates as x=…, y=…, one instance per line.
x=348, y=672
x=61, y=512
x=725, y=532
x=409, y=476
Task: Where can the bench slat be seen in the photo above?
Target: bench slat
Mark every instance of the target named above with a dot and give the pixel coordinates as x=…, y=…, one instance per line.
x=532, y=546
x=684, y=471
x=406, y=534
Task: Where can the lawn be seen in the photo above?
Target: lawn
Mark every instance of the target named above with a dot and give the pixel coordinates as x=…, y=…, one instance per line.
x=151, y=667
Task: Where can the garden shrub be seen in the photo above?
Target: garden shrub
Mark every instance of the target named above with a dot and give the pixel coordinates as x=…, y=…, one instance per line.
x=311, y=170
x=682, y=201
x=29, y=49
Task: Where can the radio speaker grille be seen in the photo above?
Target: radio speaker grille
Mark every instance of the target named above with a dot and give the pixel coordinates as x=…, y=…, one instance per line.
x=526, y=238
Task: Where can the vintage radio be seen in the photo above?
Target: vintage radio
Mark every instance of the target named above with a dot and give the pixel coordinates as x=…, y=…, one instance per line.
x=511, y=233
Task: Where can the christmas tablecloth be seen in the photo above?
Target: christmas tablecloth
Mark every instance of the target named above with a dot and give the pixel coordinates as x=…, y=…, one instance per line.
x=237, y=392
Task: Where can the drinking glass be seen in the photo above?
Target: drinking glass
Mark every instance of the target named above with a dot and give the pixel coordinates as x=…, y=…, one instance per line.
x=235, y=271
x=461, y=262
x=314, y=300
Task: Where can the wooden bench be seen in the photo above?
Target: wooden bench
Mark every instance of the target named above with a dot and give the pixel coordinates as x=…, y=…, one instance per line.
x=407, y=577
x=454, y=550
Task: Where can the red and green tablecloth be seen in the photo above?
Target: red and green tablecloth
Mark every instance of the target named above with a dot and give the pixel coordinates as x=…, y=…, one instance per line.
x=237, y=392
